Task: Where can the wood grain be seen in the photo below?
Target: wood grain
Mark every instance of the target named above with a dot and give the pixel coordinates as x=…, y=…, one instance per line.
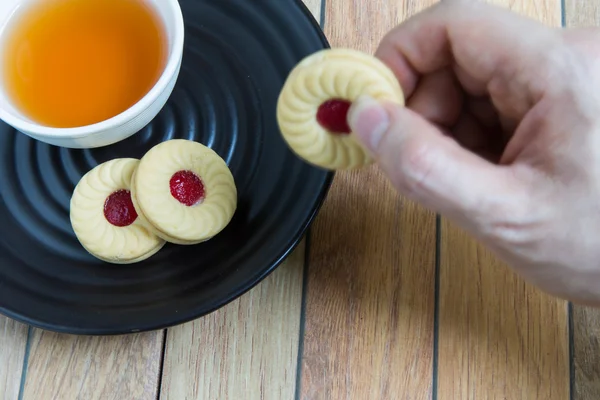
x=13, y=340
x=370, y=291
x=585, y=321
x=580, y=13
x=247, y=350
x=498, y=337
x=586, y=353
x=93, y=368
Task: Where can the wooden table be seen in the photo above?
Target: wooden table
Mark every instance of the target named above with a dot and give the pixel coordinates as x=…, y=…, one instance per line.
x=384, y=301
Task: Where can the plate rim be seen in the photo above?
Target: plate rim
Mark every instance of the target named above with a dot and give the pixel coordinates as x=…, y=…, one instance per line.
x=303, y=231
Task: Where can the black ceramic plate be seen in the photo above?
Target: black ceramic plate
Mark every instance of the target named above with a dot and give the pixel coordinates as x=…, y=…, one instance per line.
x=237, y=55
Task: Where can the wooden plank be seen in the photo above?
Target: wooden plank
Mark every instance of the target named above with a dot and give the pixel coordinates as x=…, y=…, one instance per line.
x=371, y=282
x=499, y=338
x=586, y=353
x=247, y=350
x=582, y=13
x=13, y=340
x=585, y=321
x=93, y=368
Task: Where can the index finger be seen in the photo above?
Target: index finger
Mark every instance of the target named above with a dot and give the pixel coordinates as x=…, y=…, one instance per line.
x=494, y=51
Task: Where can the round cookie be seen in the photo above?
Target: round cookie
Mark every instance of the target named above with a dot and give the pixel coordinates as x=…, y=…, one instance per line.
x=185, y=192
x=104, y=218
x=313, y=105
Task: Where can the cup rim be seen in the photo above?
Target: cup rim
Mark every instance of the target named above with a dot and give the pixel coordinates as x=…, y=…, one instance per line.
x=169, y=71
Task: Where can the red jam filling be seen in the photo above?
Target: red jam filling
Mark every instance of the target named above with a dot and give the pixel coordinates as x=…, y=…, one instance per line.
x=119, y=209
x=187, y=188
x=333, y=116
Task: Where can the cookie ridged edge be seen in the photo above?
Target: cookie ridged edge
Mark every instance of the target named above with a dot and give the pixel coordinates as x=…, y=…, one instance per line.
x=163, y=214
x=96, y=235
x=331, y=74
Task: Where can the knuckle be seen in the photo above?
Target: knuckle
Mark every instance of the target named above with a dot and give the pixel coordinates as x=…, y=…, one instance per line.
x=511, y=222
x=417, y=164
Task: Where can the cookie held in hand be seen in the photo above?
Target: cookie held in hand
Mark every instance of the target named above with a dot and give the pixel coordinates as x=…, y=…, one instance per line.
x=314, y=102
x=104, y=218
x=185, y=191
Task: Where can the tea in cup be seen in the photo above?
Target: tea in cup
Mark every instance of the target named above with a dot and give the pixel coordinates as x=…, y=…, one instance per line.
x=87, y=73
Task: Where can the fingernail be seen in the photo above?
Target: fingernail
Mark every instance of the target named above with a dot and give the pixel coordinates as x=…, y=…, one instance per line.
x=369, y=121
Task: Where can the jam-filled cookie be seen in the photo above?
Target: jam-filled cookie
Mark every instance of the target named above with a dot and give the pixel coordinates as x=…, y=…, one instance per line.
x=185, y=191
x=314, y=102
x=104, y=218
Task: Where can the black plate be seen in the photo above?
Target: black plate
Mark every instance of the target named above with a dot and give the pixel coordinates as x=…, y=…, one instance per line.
x=236, y=58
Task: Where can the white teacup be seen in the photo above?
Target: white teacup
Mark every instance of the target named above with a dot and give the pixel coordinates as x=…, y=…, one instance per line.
x=120, y=126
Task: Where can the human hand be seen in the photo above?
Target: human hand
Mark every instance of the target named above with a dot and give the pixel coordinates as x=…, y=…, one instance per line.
x=501, y=134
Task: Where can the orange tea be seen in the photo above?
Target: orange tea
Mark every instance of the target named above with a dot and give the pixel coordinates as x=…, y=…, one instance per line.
x=70, y=63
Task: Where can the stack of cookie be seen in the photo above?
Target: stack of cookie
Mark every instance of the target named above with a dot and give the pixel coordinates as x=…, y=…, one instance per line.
x=125, y=210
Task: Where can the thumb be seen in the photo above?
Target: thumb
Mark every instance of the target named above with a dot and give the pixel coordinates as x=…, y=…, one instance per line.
x=430, y=167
